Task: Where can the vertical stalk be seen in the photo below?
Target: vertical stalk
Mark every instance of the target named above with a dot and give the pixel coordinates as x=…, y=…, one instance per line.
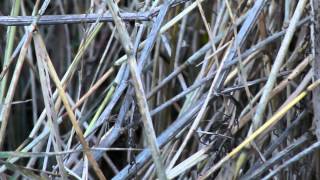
x=11, y=31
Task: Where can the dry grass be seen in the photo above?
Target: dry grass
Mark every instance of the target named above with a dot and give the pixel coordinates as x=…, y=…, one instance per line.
x=172, y=89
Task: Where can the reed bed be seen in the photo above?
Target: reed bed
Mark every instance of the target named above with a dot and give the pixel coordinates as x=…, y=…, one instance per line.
x=171, y=89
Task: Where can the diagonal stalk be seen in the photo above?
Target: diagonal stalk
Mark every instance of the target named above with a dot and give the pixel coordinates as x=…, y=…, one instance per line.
x=72, y=117
x=140, y=94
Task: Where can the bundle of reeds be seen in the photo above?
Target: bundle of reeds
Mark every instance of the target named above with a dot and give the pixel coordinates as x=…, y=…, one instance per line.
x=171, y=89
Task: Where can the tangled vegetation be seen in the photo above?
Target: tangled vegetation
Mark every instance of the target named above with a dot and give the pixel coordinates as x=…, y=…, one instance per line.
x=161, y=89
